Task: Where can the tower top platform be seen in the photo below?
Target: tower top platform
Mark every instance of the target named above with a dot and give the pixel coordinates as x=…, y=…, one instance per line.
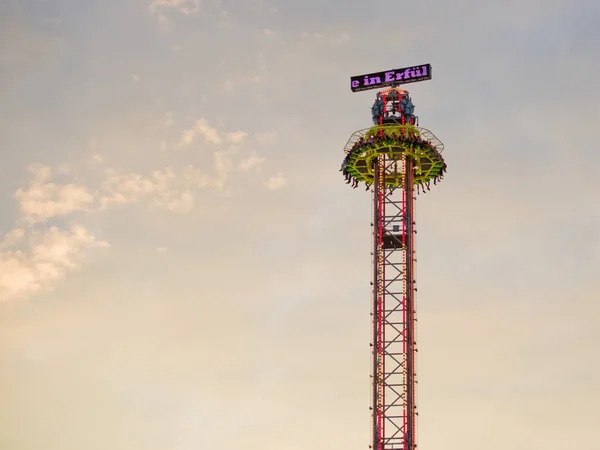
x=396, y=142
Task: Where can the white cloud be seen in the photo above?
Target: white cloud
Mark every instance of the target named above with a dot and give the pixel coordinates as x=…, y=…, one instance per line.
x=40, y=201
x=268, y=32
x=168, y=188
x=173, y=191
x=177, y=203
x=135, y=78
x=51, y=254
x=209, y=133
x=277, y=181
x=223, y=166
x=306, y=34
x=251, y=162
x=200, y=129
x=162, y=249
x=96, y=159
x=12, y=238
x=183, y=6
x=236, y=136
x=131, y=187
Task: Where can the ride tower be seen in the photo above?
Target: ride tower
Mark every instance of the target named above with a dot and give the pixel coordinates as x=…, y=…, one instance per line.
x=396, y=159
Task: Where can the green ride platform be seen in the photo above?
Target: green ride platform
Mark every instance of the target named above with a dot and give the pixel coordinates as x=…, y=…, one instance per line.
x=428, y=162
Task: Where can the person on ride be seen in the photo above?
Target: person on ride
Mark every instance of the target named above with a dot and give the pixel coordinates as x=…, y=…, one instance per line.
x=407, y=108
x=345, y=163
x=377, y=110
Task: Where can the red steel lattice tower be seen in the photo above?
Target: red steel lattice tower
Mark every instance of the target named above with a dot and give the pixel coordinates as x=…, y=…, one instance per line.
x=397, y=159
x=394, y=345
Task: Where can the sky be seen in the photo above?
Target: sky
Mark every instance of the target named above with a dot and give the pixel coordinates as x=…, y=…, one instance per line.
x=182, y=266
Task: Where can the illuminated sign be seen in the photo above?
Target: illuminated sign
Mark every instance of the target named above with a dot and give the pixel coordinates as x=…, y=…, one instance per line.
x=390, y=78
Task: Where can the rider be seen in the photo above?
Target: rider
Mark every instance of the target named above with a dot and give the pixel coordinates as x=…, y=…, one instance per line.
x=377, y=110
x=407, y=107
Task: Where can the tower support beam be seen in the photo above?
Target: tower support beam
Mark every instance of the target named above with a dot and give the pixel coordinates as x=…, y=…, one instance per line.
x=394, y=399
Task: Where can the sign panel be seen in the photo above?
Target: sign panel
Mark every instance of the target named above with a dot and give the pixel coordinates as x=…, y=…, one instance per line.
x=390, y=78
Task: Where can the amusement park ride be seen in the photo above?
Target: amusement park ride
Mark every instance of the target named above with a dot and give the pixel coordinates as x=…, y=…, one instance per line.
x=394, y=156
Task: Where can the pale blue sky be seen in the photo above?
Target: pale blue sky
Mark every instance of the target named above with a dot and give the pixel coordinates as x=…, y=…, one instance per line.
x=182, y=266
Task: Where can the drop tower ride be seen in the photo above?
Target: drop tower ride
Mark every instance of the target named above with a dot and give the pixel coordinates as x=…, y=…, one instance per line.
x=396, y=159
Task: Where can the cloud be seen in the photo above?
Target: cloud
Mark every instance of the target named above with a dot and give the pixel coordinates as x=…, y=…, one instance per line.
x=207, y=132
x=186, y=7
x=96, y=159
x=163, y=188
x=51, y=191
x=12, y=238
x=236, y=136
x=200, y=129
x=251, y=162
x=167, y=188
x=275, y=182
x=135, y=78
x=40, y=201
x=182, y=202
x=223, y=166
x=33, y=259
x=337, y=39
x=268, y=32
x=49, y=256
x=119, y=188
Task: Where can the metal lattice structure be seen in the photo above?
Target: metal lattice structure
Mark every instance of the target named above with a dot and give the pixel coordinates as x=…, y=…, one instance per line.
x=394, y=375
x=392, y=158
